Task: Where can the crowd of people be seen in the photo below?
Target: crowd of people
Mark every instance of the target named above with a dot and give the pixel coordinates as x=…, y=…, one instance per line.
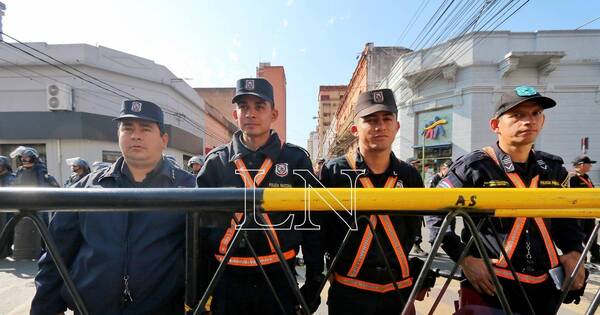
x=133, y=262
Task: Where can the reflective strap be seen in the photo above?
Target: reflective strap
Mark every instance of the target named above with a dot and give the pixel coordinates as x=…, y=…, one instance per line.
x=393, y=237
x=507, y=274
x=363, y=248
x=587, y=182
x=229, y=234
x=251, y=261
x=370, y=286
x=515, y=233
x=388, y=227
x=510, y=244
x=548, y=242
x=249, y=183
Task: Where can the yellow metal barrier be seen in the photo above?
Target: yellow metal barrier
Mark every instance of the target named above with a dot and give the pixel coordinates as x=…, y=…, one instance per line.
x=502, y=202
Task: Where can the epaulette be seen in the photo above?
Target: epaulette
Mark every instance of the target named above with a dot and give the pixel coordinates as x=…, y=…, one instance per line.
x=548, y=156
x=471, y=158
x=216, y=150
x=290, y=145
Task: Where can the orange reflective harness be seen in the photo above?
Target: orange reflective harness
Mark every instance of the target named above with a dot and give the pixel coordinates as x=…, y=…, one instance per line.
x=226, y=240
x=365, y=245
x=512, y=240
x=587, y=182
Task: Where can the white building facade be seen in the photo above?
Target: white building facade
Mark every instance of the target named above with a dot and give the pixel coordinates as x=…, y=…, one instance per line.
x=454, y=87
x=64, y=115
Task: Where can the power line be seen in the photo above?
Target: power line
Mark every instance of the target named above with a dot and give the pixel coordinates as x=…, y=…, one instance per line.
x=590, y=22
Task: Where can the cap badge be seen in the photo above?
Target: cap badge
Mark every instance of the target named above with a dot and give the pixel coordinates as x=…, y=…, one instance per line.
x=281, y=169
x=525, y=91
x=378, y=97
x=249, y=85
x=136, y=107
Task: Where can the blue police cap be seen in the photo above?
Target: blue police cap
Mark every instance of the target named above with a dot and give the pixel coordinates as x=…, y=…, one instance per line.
x=253, y=86
x=141, y=110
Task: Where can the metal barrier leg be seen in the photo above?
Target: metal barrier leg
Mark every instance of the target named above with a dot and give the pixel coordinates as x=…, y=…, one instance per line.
x=218, y=274
x=335, y=260
x=58, y=261
x=569, y=282
x=510, y=265
x=286, y=268
x=260, y=266
x=594, y=305
x=438, y=299
x=9, y=228
x=191, y=260
x=385, y=260
x=486, y=259
x=427, y=265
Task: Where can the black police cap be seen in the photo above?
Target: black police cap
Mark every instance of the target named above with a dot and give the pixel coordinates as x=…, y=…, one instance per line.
x=583, y=159
x=144, y=110
x=376, y=101
x=253, y=86
x=519, y=95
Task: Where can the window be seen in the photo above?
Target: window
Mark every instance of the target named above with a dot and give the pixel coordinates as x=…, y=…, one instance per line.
x=110, y=156
x=324, y=97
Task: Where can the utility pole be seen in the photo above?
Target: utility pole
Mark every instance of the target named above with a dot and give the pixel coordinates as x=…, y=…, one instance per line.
x=2, y=8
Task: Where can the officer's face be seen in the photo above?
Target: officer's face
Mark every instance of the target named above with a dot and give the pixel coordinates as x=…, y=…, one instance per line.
x=585, y=167
x=27, y=161
x=520, y=125
x=376, y=131
x=254, y=115
x=141, y=142
x=196, y=167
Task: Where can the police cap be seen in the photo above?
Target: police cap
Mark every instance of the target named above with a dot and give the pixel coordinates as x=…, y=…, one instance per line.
x=253, y=86
x=583, y=159
x=141, y=110
x=198, y=159
x=25, y=151
x=519, y=95
x=376, y=101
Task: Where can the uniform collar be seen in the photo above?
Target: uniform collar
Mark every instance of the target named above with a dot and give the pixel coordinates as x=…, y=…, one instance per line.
x=119, y=169
x=507, y=164
x=238, y=150
x=391, y=170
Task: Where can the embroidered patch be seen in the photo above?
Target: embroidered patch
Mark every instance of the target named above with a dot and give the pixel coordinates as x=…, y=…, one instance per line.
x=281, y=169
x=399, y=184
x=249, y=85
x=136, y=107
x=378, y=97
x=542, y=164
x=508, y=164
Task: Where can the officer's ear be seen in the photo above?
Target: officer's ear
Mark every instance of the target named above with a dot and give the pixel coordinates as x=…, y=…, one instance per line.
x=354, y=130
x=274, y=114
x=165, y=139
x=494, y=122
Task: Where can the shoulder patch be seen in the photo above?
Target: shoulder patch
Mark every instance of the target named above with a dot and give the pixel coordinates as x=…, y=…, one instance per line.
x=290, y=145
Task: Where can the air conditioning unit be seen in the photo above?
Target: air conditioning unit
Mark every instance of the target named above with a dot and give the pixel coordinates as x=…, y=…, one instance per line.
x=59, y=97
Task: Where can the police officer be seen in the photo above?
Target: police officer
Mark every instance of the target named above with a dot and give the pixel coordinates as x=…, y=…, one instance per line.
x=33, y=171
x=530, y=242
x=122, y=262
x=435, y=180
x=195, y=163
x=580, y=179
x=361, y=283
x=79, y=169
x=6, y=175
x=256, y=156
x=6, y=179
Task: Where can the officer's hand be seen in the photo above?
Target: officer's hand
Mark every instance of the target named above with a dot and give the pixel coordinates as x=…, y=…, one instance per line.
x=478, y=275
x=569, y=261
